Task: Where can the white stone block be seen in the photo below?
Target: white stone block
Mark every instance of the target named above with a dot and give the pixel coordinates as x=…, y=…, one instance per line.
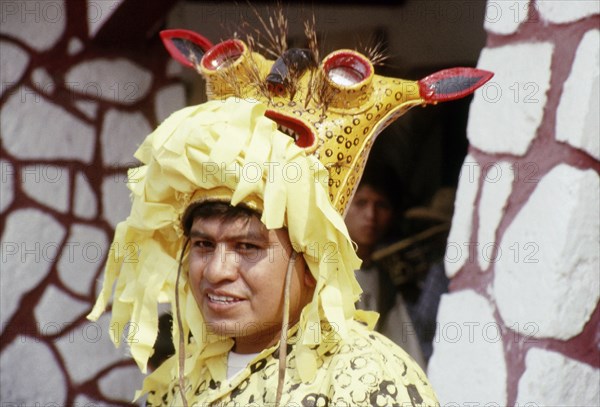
x=47, y=184
x=566, y=11
x=168, y=100
x=497, y=186
x=7, y=184
x=39, y=24
x=87, y=107
x=547, y=278
x=118, y=81
x=42, y=81
x=85, y=201
x=577, y=120
x=551, y=379
x=98, y=13
x=57, y=310
x=457, y=248
x=62, y=135
x=84, y=401
x=121, y=383
x=30, y=243
x=505, y=17
x=468, y=365
x=122, y=133
x=30, y=375
x=13, y=62
x=115, y=199
x=88, y=349
x=507, y=111
x=84, y=254
x=75, y=46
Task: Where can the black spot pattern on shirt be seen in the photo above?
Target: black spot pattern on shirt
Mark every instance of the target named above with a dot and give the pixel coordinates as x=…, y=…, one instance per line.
x=315, y=400
x=258, y=365
x=358, y=363
x=388, y=388
x=332, y=351
x=289, y=348
x=415, y=396
x=201, y=387
x=357, y=375
x=240, y=388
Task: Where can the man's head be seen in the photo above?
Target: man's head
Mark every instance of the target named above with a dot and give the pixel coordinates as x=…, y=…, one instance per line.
x=368, y=218
x=372, y=210
x=237, y=271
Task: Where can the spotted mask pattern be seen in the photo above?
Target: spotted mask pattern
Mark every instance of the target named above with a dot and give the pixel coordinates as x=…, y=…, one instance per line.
x=333, y=108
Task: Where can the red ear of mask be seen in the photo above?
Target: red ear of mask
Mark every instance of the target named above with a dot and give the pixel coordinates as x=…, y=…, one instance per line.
x=186, y=47
x=451, y=84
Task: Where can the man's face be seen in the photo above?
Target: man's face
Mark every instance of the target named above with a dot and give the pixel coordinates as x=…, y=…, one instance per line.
x=368, y=217
x=237, y=273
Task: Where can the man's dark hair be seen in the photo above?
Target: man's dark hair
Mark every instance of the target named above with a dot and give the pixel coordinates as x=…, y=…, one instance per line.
x=382, y=179
x=216, y=209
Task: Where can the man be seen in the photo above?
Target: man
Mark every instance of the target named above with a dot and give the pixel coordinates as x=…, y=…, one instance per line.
x=369, y=220
x=236, y=238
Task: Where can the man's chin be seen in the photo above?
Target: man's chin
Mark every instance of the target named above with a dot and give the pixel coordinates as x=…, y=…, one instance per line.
x=238, y=329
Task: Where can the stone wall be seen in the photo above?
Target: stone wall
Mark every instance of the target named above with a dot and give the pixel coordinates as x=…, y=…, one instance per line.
x=520, y=325
x=72, y=111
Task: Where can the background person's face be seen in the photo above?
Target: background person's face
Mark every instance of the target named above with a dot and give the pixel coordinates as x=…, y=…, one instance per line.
x=369, y=216
x=237, y=273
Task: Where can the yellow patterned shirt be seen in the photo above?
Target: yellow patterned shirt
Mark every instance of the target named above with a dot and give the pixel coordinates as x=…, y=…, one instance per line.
x=364, y=369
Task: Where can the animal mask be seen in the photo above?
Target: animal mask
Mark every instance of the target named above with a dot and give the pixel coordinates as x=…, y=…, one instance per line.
x=333, y=108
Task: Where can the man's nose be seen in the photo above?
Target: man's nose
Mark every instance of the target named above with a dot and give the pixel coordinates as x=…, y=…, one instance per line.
x=369, y=212
x=223, y=265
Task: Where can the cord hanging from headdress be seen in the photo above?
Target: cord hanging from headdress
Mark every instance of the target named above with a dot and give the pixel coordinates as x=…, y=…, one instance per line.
x=181, y=351
x=284, y=326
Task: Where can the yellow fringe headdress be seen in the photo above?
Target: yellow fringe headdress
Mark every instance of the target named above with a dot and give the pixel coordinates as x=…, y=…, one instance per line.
x=227, y=151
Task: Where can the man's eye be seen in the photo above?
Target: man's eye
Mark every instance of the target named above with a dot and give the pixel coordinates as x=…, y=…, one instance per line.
x=384, y=206
x=248, y=246
x=202, y=244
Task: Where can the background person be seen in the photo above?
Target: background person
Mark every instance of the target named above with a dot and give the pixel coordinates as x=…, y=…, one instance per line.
x=414, y=264
x=370, y=220
x=429, y=226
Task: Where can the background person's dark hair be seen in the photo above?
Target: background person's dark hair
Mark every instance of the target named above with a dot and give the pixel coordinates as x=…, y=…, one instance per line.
x=382, y=179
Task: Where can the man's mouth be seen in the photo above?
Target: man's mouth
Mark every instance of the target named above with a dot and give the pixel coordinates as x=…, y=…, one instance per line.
x=222, y=299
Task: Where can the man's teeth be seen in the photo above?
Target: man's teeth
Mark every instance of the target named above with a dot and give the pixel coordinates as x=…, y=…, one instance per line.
x=221, y=298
